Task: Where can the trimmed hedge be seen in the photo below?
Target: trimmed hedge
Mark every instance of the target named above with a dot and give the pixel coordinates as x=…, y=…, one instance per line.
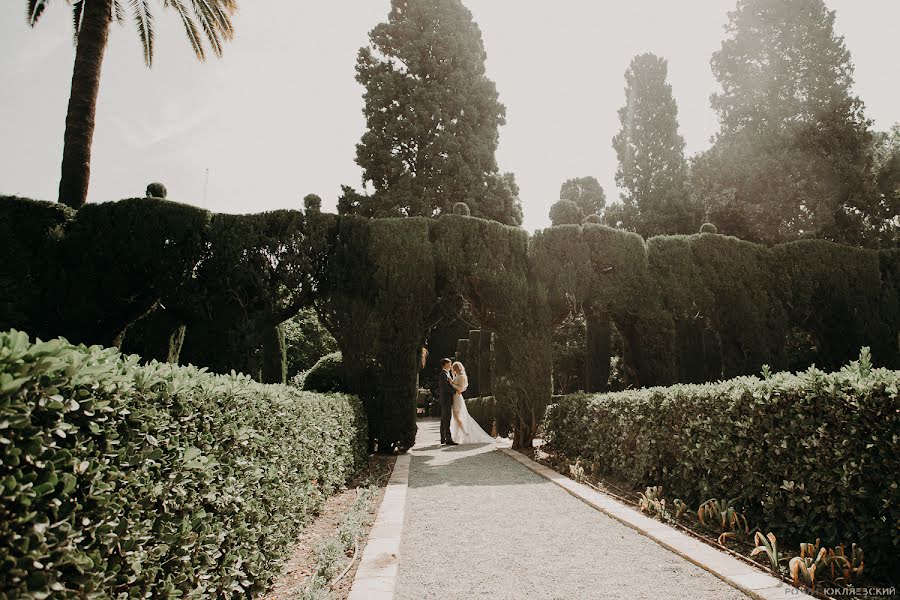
x=327, y=375
x=121, y=480
x=808, y=455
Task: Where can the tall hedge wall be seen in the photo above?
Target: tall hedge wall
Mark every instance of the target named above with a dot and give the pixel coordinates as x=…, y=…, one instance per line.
x=687, y=308
x=156, y=481
x=813, y=455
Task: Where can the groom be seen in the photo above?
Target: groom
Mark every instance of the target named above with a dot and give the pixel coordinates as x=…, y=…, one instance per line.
x=445, y=398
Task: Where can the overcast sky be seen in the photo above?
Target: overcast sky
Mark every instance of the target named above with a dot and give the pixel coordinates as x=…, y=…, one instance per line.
x=279, y=115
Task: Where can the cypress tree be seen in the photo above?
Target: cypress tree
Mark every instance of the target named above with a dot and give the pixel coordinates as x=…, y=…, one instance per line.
x=652, y=170
x=432, y=118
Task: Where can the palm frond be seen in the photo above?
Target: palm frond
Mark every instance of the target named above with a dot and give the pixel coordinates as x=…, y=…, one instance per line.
x=190, y=27
x=143, y=19
x=34, y=10
x=119, y=12
x=77, y=12
x=207, y=19
x=215, y=18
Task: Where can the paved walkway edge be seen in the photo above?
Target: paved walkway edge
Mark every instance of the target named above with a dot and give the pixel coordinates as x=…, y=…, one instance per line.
x=742, y=576
x=376, y=577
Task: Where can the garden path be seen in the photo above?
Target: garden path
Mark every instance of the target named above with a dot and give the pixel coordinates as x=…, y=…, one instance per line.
x=480, y=525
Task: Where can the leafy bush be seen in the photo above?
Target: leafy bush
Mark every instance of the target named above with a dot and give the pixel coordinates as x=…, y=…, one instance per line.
x=306, y=341
x=462, y=209
x=806, y=455
x=122, y=480
x=30, y=232
x=327, y=375
x=708, y=228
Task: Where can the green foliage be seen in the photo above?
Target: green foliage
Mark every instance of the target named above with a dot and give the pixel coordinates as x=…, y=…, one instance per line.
x=157, y=480
x=652, y=170
x=596, y=219
x=811, y=454
x=428, y=59
x=794, y=155
x=312, y=202
x=483, y=410
x=462, y=209
x=327, y=375
x=156, y=190
x=404, y=277
x=569, y=355
x=306, y=341
x=30, y=233
x=566, y=212
x=257, y=271
x=158, y=335
x=708, y=228
x=117, y=260
x=586, y=192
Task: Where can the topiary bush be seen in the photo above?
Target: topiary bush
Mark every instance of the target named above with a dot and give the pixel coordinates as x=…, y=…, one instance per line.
x=461, y=209
x=156, y=481
x=327, y=375
x=30, y=233
x=593, y=218
x=156, y=190
x=806, y=456
x=708, y=228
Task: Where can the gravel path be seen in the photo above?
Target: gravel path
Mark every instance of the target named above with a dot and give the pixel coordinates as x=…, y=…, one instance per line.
x=480, y=525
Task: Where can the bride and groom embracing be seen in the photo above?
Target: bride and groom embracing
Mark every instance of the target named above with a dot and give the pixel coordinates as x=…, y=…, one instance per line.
x=461, y=428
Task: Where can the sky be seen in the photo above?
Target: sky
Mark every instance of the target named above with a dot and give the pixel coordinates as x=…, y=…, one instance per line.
x=279, y=115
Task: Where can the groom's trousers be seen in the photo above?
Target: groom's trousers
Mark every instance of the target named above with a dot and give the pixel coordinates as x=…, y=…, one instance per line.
x=445, y=421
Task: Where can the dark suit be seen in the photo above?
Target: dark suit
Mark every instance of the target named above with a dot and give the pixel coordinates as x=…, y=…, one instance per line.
x=445, y=398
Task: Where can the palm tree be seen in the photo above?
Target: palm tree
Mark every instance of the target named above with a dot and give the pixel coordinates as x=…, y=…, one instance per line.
x=92, y=19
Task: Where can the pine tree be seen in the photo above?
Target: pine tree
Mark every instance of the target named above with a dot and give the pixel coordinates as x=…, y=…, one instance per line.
x=432, y=117
x=652, y=170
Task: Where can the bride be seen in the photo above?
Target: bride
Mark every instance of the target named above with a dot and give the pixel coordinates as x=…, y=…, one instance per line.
x=463, y=428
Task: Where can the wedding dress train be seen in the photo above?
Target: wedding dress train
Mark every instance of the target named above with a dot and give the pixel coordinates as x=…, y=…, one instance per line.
x=463, y=428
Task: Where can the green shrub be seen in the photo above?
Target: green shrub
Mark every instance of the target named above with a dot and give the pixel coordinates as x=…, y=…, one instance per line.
x=30, y=232
x=118, y=259
x=327, y=375
x=156, y=190
x=708, y=228
x=156, y=481
x=461, y=209
x=806, y=456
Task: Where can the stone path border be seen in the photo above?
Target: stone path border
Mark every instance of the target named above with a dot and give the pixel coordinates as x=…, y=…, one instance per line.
x=747, y=579
x=376, y=577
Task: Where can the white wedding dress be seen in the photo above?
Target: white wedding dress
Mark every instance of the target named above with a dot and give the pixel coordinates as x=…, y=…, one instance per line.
x=463, y=428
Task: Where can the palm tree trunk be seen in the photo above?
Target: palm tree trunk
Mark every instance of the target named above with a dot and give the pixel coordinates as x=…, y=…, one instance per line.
x=89, y=51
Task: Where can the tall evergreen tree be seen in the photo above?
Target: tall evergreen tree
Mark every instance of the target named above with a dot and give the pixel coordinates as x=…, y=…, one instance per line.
x=793, y=157
x=652, y=170
x=586, y=192
x=432, y=117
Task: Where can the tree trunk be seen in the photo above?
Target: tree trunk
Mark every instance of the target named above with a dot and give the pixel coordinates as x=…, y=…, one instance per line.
x=91, y=46
x=597, y=334
x=274, y=366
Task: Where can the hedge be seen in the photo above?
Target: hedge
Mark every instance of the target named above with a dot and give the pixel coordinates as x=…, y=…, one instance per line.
x=811, y=455
x=121, y=480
